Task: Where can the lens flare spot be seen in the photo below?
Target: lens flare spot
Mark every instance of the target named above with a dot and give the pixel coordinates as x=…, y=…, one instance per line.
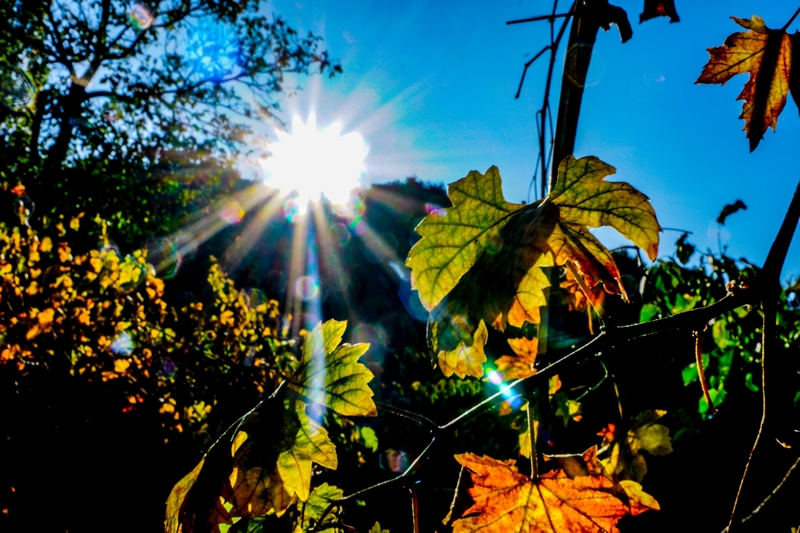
x=341, y=234
x=17, y=88
x=232, y=213
x=123, y=344
x=308, y=288
x=165, y=257
x=140, y=17
x=313, y=163
x=495, y=378
x=256, y=297
x=396, y=461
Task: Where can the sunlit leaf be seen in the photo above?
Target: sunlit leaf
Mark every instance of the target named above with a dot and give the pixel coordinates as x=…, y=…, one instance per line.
x=453, y=238
x=317, y=502
x=521, y=366
x=466, y=359
x=177, y=497
x=330, y=373
x=506, y=500
x=484, y=242
x=261, y=468
x=624, y=458
x=376, y=528
x=766, y=55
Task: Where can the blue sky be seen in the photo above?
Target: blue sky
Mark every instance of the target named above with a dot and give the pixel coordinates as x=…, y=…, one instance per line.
x=430, y=85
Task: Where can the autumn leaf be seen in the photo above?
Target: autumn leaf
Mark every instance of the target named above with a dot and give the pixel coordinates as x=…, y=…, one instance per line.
x=176, y=499
x=511, y=367
x=766, y=55
x=330, y=373
x=624, y=459
x=262, y=467
x=506, y=500
x=659, y=8
x=466, y=359
x=484, y=241
x=317, y=502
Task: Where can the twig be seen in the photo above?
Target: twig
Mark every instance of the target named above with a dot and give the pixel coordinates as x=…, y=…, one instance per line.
x=415, y=508
x=769, y=285
x=422, y=420
x=786, y=26
x=541, y=17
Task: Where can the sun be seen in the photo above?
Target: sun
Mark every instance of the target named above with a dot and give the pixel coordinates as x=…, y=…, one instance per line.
x=311, y=163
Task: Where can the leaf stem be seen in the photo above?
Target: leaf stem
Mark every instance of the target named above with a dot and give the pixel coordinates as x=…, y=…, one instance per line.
x=786, y=26
x=698, y=357
x=532, y=434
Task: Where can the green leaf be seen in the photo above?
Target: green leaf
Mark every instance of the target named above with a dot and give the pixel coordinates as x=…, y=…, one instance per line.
x=648, y=312
x=484, y=241
x=330, y=374
x=377, y=529
x=466, y=359
x=584, y=198
x=370, y=438
x=258, y=467
x=453, y=239
x=317, y=502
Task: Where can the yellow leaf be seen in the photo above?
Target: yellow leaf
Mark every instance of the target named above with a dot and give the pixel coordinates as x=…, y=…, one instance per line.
x=45, y=317
x=484, y=241
x=46, y=245
x=75, y=223
x=466, y=360
x=311, y=445
x=330, y=373
x=121, y=365
x=177, y=498
x=33, y=332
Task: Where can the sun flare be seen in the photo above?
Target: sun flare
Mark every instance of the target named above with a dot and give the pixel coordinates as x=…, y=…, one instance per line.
x=314, y=163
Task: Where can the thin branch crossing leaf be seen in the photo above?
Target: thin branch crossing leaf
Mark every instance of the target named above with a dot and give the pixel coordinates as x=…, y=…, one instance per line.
x=766, y=55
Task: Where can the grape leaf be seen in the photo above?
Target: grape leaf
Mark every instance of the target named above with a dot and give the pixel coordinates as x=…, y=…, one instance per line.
x=521, y=366
x=466, y=359
x=453, y=238
x=486, y=243
x=266, y=468
x=659, y=8
x=624, y=459
x=766, y=55
x=556, y=502
x=330, y=373
x=317, y=502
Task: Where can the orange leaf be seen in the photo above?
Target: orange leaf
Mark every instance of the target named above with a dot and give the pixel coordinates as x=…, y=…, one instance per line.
x=506, y=500
x=510, y=367
x=767, y=56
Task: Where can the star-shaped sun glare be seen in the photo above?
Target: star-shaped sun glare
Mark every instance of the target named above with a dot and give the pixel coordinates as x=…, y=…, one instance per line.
x=314, y=163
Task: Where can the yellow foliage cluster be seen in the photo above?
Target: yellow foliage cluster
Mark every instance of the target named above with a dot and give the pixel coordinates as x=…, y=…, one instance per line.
x=99, y=315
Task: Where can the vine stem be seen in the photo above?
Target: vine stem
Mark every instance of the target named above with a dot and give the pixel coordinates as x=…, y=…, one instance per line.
x=773, y=373
x=533, y=436
x=786, y=26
